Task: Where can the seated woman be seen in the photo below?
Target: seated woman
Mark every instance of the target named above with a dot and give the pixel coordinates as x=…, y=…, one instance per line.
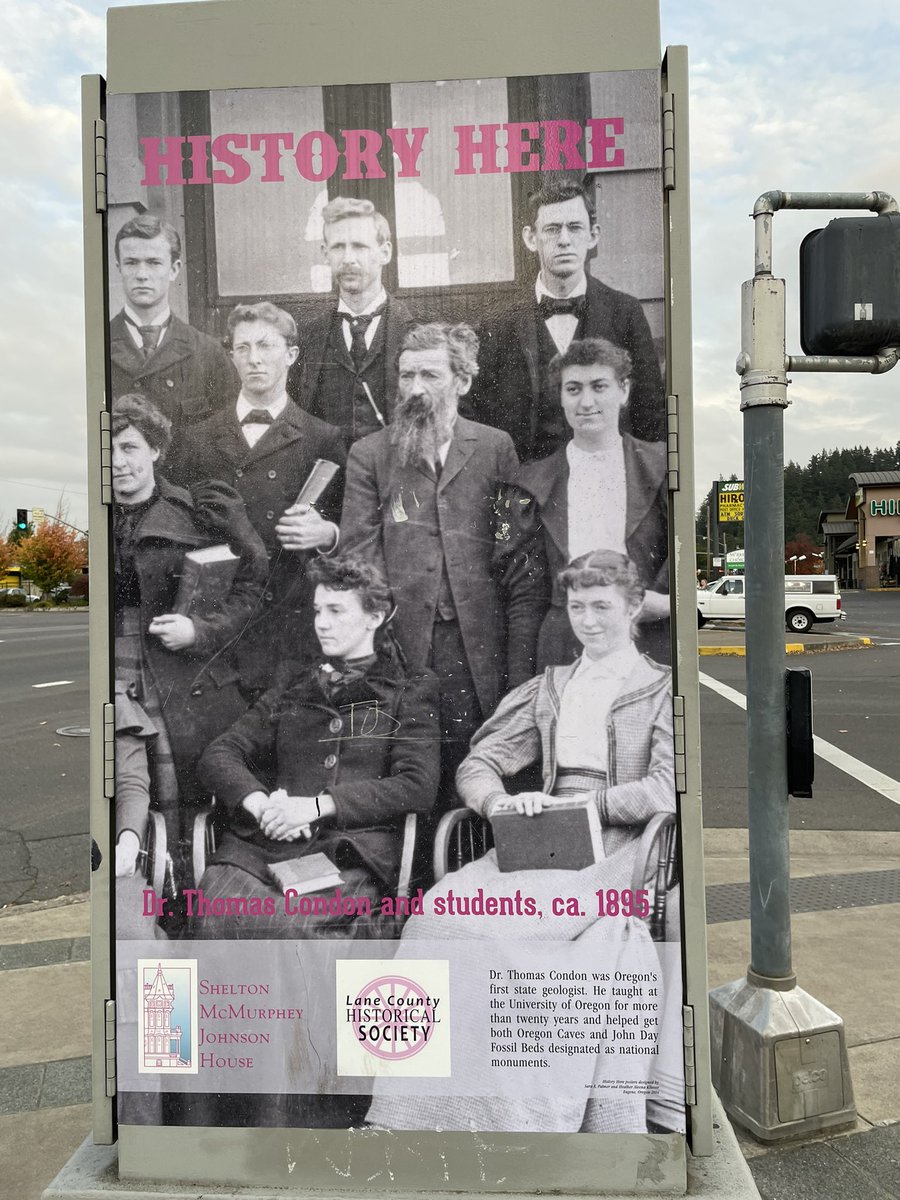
x=328, y=762
x=173, y=665
x=602, y=729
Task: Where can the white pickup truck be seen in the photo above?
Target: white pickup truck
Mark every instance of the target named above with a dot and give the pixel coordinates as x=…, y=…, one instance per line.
x=807, y=598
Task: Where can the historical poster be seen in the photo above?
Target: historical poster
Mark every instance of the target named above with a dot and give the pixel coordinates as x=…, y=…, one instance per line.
x=395, y=795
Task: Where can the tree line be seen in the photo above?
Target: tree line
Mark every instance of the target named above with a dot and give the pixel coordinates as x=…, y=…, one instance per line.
x=821, y=486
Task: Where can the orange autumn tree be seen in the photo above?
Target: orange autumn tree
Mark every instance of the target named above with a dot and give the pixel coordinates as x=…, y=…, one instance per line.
x=7, y=556
x=51, y=554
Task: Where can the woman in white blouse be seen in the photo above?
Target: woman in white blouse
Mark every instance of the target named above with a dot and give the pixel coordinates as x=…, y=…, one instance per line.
x=601, y=728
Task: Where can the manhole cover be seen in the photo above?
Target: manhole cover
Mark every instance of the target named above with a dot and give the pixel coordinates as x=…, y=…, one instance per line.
x=74, y=731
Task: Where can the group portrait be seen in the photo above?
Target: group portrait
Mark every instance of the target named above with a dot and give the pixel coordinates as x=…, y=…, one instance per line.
x=386, y=370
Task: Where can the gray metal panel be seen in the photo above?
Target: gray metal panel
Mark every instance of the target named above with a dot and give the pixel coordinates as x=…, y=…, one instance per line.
x=98, y=523
x=158, y=48
x=385, y=1163
x=679, y=382
x=291, y=42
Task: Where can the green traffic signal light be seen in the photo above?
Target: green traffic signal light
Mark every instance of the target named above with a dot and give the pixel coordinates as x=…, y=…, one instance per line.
x=22, y=519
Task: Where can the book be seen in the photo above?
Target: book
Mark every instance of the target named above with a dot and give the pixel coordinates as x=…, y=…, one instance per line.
x=206, y=576
x=317, y=481
x=309, y=873
x=564, y=836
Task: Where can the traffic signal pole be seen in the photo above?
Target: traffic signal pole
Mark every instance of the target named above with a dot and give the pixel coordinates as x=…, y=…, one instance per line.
x=779, y=1057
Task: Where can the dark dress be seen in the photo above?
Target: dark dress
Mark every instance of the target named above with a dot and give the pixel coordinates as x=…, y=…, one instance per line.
x=366, y=735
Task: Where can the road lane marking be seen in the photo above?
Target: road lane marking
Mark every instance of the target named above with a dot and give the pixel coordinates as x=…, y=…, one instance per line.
x=876, y=780
x=53, y=683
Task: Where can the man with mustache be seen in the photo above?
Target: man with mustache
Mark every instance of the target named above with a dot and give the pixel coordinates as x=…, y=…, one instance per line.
x=347, y=372
x=421, y=502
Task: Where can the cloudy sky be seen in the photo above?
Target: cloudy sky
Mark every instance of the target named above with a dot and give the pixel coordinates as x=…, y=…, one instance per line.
x=785, y=94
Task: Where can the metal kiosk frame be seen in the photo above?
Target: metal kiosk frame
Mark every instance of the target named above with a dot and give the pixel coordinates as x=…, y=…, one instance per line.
x=282, y=43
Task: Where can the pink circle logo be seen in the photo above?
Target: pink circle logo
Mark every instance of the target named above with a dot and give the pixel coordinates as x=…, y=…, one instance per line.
x=393, y=1017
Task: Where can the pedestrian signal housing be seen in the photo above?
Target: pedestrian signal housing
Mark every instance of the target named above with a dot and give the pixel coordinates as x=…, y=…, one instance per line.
x=850, y=286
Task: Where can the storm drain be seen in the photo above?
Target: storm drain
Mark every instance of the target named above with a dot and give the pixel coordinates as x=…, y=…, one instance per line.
x=814, y=893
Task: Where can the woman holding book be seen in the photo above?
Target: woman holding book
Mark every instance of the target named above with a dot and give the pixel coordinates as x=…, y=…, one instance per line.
x=174, y=663
x=601, y=730
x=318, y=777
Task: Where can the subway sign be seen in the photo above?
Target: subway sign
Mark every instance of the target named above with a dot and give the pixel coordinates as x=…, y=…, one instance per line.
x=731, y=501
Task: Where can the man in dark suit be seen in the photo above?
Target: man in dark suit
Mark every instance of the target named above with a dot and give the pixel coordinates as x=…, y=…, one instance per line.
x=421, y=502
x=603, y=490
x=347, y=371
x=265, y=447
x=563, y=304
x=185, y=373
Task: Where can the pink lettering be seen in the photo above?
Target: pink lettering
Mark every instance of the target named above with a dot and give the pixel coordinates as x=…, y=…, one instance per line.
x=361, y=148
x=561, y=140
x=155, y=159
x=271, y=145
x=518, y=145
x=199, y=143
x=468, y=147
x=222, y=153
x=326, y=152
x=407, y=150
x=604, y=151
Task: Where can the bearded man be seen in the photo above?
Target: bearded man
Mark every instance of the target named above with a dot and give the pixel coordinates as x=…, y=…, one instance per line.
x=421, y=502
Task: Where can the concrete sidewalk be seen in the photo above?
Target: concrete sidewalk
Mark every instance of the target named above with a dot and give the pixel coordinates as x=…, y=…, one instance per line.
x=846, y=933
x=727, y=638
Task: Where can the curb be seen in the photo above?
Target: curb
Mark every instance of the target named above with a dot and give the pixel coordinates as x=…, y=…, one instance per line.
x=789, y=648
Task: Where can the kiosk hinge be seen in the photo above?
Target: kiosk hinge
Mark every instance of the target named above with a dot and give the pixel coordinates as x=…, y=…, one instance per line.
x=99, y=166
x=680, y=757
x=110, y=1047
x=668, y=145
x=105, y=458
x=109, y=751
x=674, y=466
x=690, y=1061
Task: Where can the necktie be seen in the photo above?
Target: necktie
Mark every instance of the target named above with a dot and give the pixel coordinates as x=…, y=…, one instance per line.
x=258, y=416
x=150, y=335
x=553, y=306
x=358, y=326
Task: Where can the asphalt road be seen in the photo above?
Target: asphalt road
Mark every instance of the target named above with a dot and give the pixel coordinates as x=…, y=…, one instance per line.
x=44, y=776
x=44, y=844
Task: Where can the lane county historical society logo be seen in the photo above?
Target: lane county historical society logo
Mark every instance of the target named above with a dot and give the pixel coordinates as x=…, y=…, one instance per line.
x=393, y=1017
x=167, y=1016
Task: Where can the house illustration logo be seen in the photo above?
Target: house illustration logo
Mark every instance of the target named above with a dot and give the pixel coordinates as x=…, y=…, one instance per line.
x=167, y=1012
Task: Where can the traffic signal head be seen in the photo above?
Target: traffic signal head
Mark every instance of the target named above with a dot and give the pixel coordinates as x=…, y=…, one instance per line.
x=22, y=519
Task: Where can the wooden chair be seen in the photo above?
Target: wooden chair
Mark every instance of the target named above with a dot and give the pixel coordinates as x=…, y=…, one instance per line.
x=204, y=840
x=462, y=836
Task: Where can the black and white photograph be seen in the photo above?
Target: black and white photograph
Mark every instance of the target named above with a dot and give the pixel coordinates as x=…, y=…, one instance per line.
x=394, y=728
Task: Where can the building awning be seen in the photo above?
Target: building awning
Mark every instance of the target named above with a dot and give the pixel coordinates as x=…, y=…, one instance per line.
x=846, y=546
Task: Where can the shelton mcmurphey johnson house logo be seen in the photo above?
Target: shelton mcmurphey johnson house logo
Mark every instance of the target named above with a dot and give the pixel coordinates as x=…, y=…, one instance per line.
x=167, y=1016
x=393, y=1017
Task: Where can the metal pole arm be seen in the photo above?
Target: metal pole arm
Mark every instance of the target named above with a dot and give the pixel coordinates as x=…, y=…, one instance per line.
x=770, y=203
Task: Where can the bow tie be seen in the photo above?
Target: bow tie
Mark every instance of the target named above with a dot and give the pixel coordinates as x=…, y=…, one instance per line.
x=258, y=416
x=363, y=320
x=552, y=306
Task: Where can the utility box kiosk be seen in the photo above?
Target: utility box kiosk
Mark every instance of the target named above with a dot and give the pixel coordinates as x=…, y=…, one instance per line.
x=367, y=288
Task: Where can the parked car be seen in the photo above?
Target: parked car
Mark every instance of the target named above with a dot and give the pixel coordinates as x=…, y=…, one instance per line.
x=8, y=593
x=807, y=599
